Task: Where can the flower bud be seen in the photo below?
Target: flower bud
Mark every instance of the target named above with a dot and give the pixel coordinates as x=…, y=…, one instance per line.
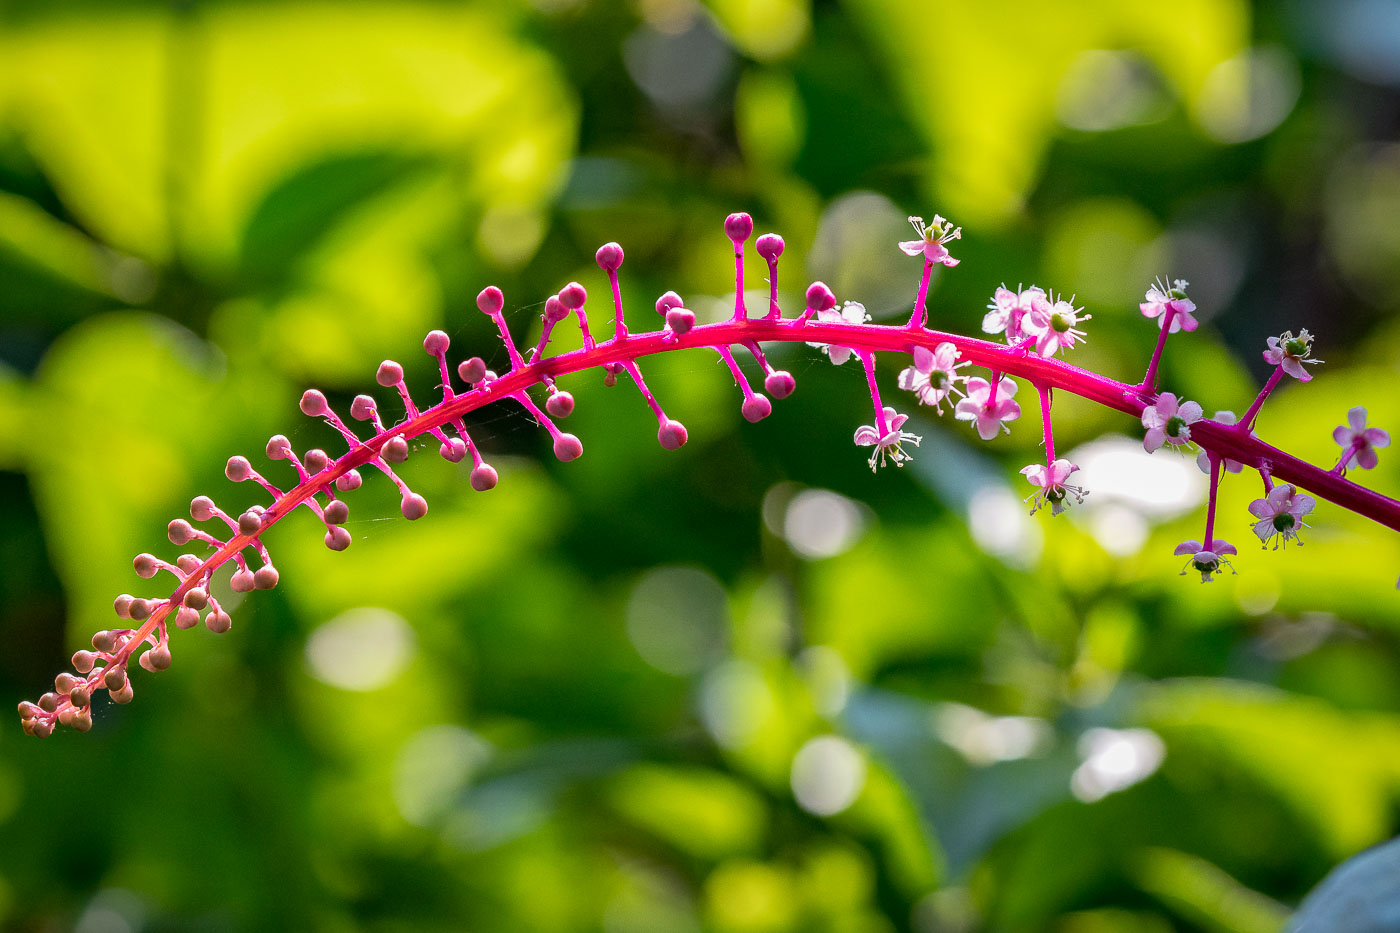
x=202, y=508
x=436, y=343
x=472, y=371
x=238, y=469
x=389, y=374
x=484, y=477
x=490, y=300
x=313, y=403
x=738, y=227
x=572, y=296
x=770, y=246
x=609, y=257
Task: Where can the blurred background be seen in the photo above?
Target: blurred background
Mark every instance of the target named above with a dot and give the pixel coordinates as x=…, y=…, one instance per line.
x=748, y=686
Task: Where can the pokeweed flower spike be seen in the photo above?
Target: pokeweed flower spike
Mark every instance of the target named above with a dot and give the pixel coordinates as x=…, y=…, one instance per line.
x=1358, y=442
x=1280, y=515
x=1026, y=316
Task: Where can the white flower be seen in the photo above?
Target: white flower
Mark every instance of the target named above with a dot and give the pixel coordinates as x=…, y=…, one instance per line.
x=1008, y=311
x=934, y=376
x=1053, y=489
x=1280, y=515
x=1208, y=562
x=1359, y=442
x=1161, y=299
x=887, y=444
x=1052, y=324
x=989, y=414
x=1290, y=352
x=1167, y=422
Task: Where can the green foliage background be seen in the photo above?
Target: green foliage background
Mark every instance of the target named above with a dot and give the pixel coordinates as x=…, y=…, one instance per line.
x=580, y=696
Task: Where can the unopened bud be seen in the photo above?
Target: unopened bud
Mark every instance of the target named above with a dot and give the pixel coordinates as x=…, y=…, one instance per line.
x=279, y=448
x=349, y=481
x=337, y=512
x=472, y=371
x=242, y=581
x=560, y=404
x=484, y=477
x=568, y=447
x=395, y=450
x=238, y=469
x=572, y=296
x=316, y=460
x=770, y=246
x=389, y=374
x=609, y=257
x=337, y=538
x=180, y=532
x=313, y=403
x=202, y=508
x=436, y=343
x=819, y=297
x=413, y=506
x=145, y=565
x=780, y=383
x=490, y=300
x=738, y=227
x=672, y=435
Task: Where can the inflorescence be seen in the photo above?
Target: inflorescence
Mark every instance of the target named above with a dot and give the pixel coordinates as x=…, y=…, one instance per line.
x=1035, y=324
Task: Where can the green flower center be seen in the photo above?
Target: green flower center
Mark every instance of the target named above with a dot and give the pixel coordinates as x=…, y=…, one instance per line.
x=1175, y=425
x=1283, y=522
x=1059, y=322
x=1205, y=566
x=1177, y=294
x=938, y=379
x=1055, y=494
x=1295, y=347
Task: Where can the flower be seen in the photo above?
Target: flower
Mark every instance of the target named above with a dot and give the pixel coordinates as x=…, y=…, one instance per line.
x=887, y=444
x=931, y=239
x=1008, y=309
x=1053, y=325
x=1203, y=458
x=1280, y=514
x=1161, y=299
x=852, y=312
x=1167, y=422
x=1290, y=352
x=989, y=414
x=1053, y=489
x=933, y=377
x=1207, y=561
x=1361, y=439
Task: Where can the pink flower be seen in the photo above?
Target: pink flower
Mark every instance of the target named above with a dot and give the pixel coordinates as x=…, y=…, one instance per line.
x=989, y=414
x=1290, y=352
x=1280, y=514
x=931, y=239
x=1161, y=299
x=1009, y=309
x=1168, y=423
x=1053, y=326
x=1361, y=439
x=852, y=312
x=887, y=444
x=1231, y=466
x=934, y=376
x=1053, y=489
x=1208, y=562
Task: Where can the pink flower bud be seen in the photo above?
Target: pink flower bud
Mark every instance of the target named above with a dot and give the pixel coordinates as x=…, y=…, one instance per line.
x=609, y=257
x=145, y=565
x=672, y=435
x=572, y=296
x=436, y=343
x=83, y=661
x=337, y=538
x=202, y=508
x=238, y=469
x=680, y=320
x=337, y=512
x=362, y=408
x=757, y=408
x=186, y=618
x=770, y=246
x=738, y=227
x=123, y=695
x=454, y=451
x=395, y=450
x=780, y=383
x=413, y=506
x=265, y=578
x=114, y=678
x=105, y=641
x=196, y=598
x=819, y=297
x=568, y=447
x=490, y=300
x=249, y=523
x=389, y=374
x=316, y=460
x=554, y=310
x=156, y=659
x=279, y=448
x=349, y=481
x=83, y=720
x=472, y=371
x=484, y=477
x=140, y=609
x=180, y=532
x=80, y=696
x=188, y=563
x=122, y=605
x=668, y=301
x=560, y=404
x=313, y=403
x=218, y=621
x=48, y=702
x=64, y=683
x=241, y=581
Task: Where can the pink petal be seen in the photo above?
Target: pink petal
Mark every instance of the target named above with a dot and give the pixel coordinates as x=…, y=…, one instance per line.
x=910, y=379
x=1166, y=405
x=1342, y=435
x=1007, y=388
x=1295, y=369
x=1377, y=437
x=987, y=426
x=912, y=247
x=1260, y=508
x=1367, y=459
x=1154, y=439
x=1223, y=547
x=1190, y=412
x=1356, y=417
x=949, y=261
x=1188, y=547
x=867, y=436
x=1186, y=322
x=923, y=359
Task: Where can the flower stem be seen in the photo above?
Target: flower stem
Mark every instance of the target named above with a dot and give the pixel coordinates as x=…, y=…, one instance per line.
x=1210, y=505
x=867, y=359
x=1045, y=423
x=919, y=318
x=1247, y=421
x=1149, y=381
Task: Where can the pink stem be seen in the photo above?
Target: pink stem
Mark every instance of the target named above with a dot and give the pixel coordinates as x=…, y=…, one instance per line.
x=867, y=359
x=1244, y=423
x=1045, y=423
x=919, y=318
x=1210, y=505
x=1149, y=381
